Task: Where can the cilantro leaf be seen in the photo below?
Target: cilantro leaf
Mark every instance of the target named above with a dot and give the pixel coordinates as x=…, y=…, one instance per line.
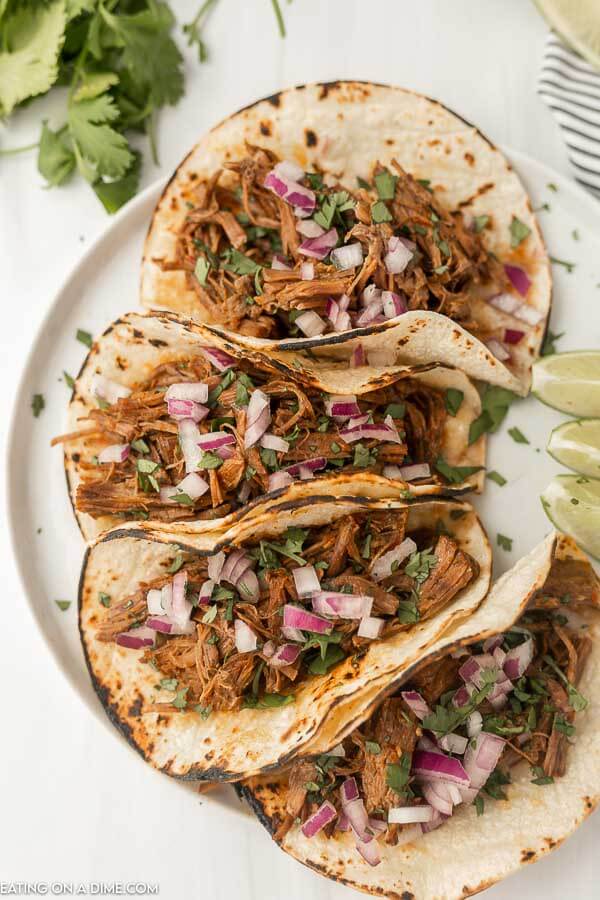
x=479, y=223
x=114, y=194
x=99, y=145
x=37, y=404
x=56, y=159
x=517, y=436
x=32, y=39
x=63, y=604
x=397, y=774
x=499, y=479
x=495, y=402
x=454, y=399
x=504, y=542
x=380, y=212
x=518, y=232
x=455, y=474
x=320, y=665
x=549, y=347
x=385, y=183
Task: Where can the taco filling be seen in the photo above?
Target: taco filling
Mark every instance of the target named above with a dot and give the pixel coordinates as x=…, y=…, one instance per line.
x=453, y=733
x=206, y=434
x=272, y=251
x=245, y=626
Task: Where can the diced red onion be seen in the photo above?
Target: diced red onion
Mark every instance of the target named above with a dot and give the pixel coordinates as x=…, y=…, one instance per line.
x=278, y=480
x=136, y=638
x=193, y=485
x=383, y=431
x=472, y=669
x=430, y=765
x=518, y=278
x=529, y=315
x=426, y=743
x=181, y=608
x=369, y=850
x=219, y=359
x=512, y=336
x=286, y=655
x=248, y=586
x=308, y=465
x=108, y=390
x=115, y=453
x=274, y=442
x=437, y=820
x=235, y=564
x=381, y=357
x=490, y=644
x=416, y=703
x=398, y=256
x=306, y=580
x=332, y=311
x=309, y=228
x=295, y=617
x=506, y=303
x=344, y=606
x=438, y=797
x=463, y=695
x=349, y=791
x=215, y=566
x=453, y=743
x=382, y=567
x=258, y=418
x=307, y=271
x=518, y=659
x=358, y=356
x=197, y=391
x=187, y=409
x=245, y=639
x=344, y=302
x=342, y=406
x=393, y=304
x=474, y=723
x=310, y=323
x=377, y=826
x=214, y=440
x=481, y=758
x=499, y=655
x=153, y=602
x=289, y=190
x=370, y=627
x=373, y=309
x=349, y=256
x=498, y=349
x=370, y=293
x=288, y=169
x=279, y=263
x=305, y=473
x=166, y=625
x=205, y=594
x=325, y=814
x=406, y=815
x=319, y=247
x=189, y=440
x=292, y=634
x=355, y=421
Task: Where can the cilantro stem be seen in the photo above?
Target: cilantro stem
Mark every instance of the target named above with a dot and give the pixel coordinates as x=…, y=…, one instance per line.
x=279, y=17
x=12, y=151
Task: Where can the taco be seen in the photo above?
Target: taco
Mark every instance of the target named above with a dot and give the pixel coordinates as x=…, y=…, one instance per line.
x=331, y=212
x=220, y=656
x=484, y=756
x=166, y=424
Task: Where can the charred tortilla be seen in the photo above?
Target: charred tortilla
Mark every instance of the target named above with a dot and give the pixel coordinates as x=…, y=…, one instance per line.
x=248, y=731
x=476, y=219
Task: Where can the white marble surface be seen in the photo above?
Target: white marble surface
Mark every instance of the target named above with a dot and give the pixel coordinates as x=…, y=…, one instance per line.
x=77, y=805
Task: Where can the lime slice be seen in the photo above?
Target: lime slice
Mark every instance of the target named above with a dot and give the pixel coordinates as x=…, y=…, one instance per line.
x=569, y=382
x=577, y=22
x=572, y=503
x=576, y=444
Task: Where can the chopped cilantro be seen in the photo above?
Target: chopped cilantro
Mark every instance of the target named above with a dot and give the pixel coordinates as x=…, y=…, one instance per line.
x=576, y=700
x=363, y=458
x=495, y=402
x=333, y=654
x=479, y=223
x=495, y=783
x=385, y=184
x=63, y=604
x=238, y=263
x=380, y=212
x=479, y=805
x=569, y=266
x=209, y=460
x=552, y=187
x=182, y=498
x=104, y=599
x=373, y=747
x=176, y=564
x=504, y=542
x=84, y=337
x=168, y=684
x=395, y=410
x=496, y=477
x=203, y=711
x=540, y=778
x=69, y=380
x=517, y=435
x=363, y=184
x=140, y=446
x=454, y=399
x=518, y=232
x=407, y=612
x=267, y=701
x=548, y=347
x=561, y=724
x=180, y=701
x=397, y=774
x=201, y=269
x=420, y=563
x=37, y=404
x=210, y=615
x=455, y=474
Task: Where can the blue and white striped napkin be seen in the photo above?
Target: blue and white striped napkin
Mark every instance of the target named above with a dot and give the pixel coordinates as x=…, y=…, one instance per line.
x=571, y=88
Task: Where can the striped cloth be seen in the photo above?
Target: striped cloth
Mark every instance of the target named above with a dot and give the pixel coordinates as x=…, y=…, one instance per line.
x=571, y=88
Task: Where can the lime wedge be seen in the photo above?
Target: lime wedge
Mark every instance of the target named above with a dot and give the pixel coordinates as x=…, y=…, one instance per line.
x=569, y=382
x=572, y=503
x=576, y=444
x=577, y=22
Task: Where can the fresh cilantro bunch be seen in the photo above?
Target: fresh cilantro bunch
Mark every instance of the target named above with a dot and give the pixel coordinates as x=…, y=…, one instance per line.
x=120, y=64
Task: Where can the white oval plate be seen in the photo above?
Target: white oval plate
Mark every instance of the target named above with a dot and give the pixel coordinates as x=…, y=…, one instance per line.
x=104, y=285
